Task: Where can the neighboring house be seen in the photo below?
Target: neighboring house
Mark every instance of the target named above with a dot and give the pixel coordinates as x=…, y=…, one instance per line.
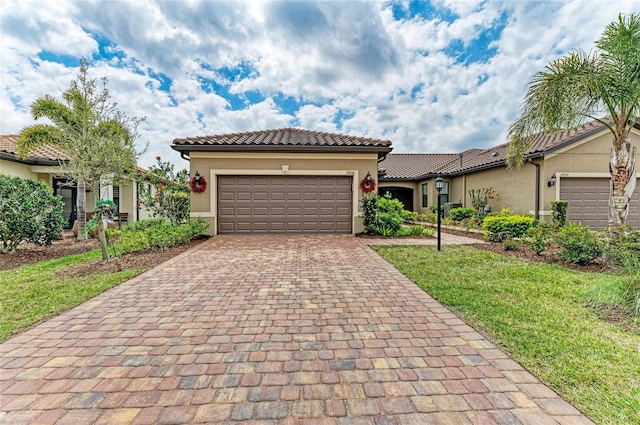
x=46, y=164
x=570, y=165
x=281, y=181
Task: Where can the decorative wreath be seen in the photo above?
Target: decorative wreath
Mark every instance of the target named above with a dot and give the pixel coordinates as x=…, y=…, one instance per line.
x=369, y=186
x=199, y=185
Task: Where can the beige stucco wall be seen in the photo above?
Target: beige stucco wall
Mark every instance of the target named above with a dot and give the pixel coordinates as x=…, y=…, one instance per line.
x=515, y=188
x=589, y=158
x=16, y=169
x=212, y=164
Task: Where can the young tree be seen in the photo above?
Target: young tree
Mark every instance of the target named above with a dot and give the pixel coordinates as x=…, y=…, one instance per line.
x=589, y=86
x=170, y=196
x=98, y=139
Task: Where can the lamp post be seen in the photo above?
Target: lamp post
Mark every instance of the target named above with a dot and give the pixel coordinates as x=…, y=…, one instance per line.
x=439, y=185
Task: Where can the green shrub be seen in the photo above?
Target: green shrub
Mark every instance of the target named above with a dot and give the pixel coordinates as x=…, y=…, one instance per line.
x=428, y=231
x=459, y=214
x=499, y=227
x=409, y=215
x=538, y=238
x=415, y=230
x=29, y=212
x=579, y=244
x=471, y=223
x=559, y=211
x=429, y=218
x=623, y=249
x=510, y=244
x=370, y=214
x=158, y=234
x=389, y=214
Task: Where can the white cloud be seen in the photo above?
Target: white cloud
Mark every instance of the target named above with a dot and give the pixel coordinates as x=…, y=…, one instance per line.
x=348, y=58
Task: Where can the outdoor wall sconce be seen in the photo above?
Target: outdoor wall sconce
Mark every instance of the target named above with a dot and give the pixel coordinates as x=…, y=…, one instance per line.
x=368, y=179
x=196, y=177
x=620, y=203
x=552, y=181
x=439, y=186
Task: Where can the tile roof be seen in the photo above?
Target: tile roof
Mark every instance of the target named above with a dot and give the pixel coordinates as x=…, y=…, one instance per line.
x=412, y=166
x=416, y=166
x=279, y=139
x=8, y=145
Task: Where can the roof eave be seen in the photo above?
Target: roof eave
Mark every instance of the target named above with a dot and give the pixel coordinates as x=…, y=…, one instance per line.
x=380, y=150
x=32, y=160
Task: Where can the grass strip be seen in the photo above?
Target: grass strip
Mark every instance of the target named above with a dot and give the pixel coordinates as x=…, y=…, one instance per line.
x=35, y=292
x=537, y=314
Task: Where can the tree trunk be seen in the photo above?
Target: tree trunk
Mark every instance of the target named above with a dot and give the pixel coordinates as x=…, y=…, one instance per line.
x=103, y=240
x=622, y=166
x=81, y=210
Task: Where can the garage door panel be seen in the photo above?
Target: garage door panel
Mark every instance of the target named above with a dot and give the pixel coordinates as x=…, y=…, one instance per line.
x=588, y=201
x=284, y=204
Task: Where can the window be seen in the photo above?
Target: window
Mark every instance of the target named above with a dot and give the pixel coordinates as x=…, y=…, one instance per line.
x=444, y=193
x=116, y=198
x=425, y=195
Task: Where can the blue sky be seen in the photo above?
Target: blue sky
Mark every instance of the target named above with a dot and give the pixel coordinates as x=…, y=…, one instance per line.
x=431, y=76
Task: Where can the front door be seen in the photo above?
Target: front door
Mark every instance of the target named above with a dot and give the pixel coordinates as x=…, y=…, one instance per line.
x=69, y=192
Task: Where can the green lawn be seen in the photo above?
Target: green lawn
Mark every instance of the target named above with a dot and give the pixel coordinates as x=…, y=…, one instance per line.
x=32, y=293
x=537, y=314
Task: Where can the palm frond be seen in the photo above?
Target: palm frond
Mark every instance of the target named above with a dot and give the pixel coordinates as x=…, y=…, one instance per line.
x=565, y=94
x=38, y=135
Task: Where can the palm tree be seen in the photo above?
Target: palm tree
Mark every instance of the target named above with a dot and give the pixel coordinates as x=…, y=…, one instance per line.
x=603, y=85
x=98, y=139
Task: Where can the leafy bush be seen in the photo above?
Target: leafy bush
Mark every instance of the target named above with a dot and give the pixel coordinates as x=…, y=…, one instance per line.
x=158, y=234
x=409, y=215
x=170, y=196
x=510, y=244
x=559, y=211
x=459, y=214
x=428, y=231
x=429, y=218
x=370, y=213
x=579, y=244
x=480, y=199
x=415, y=230
x=623, y=249
x=389, y=215
x=471, y=223
x=29, y=212
x=505, y=225
x=538, y=238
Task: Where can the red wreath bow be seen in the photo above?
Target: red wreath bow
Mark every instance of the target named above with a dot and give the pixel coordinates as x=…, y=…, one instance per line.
x=367, y=185
x=199, y=185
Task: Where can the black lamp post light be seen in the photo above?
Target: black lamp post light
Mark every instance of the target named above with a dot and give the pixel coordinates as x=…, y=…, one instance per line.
x=439, y=186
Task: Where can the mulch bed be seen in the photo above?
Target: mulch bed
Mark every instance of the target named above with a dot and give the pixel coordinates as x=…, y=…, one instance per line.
x=30, y=253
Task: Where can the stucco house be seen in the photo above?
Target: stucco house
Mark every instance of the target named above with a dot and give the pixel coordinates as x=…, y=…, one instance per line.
x=571, y=165
x=281, y=181
x=46, y=164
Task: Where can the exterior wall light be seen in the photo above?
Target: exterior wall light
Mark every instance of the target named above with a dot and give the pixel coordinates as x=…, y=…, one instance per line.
x=368, y=178
x=552, y=181
x=196, y=177
x=620, y=203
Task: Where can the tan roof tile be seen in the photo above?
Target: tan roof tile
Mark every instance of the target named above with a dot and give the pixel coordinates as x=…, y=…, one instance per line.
x=8, y=143
x=283, y=138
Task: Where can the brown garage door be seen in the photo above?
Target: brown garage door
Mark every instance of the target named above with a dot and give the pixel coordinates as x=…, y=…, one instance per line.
x=589, y=201
x=284, y=204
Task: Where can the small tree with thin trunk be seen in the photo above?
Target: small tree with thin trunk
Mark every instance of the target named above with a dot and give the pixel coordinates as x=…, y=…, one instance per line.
x=98, y=139
x=589, y=86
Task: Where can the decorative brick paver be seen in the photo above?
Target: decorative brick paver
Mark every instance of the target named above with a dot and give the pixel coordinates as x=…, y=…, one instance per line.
x=268, y=330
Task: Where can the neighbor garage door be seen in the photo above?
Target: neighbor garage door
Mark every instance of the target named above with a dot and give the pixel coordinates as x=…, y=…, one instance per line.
x=589, y=201
x=284, y=204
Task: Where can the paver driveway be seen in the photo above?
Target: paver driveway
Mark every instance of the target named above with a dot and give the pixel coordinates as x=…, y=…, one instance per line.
x=269, y=330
